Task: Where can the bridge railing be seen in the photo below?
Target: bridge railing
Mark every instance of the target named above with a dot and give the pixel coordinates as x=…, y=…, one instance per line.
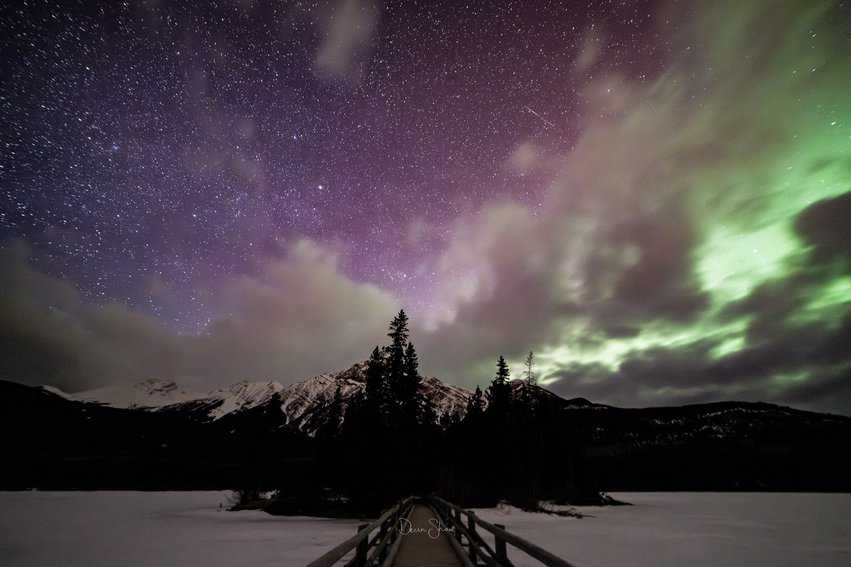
x=380, y=550
x=468, y=533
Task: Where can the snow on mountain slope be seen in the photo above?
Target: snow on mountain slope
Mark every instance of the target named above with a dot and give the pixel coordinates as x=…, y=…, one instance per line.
x=243, y=395
x=446, y=398
x=156, y=394
x=148, y=394
x=305, y=403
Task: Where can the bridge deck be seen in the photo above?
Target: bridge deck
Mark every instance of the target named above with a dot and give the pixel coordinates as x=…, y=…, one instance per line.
x=422, y=547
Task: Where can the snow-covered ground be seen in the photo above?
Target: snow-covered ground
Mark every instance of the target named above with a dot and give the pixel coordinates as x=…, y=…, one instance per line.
x=166, y=529
x=92, y=529
x=693, y=530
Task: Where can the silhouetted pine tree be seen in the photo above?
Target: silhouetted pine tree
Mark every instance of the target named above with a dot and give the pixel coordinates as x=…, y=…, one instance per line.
x=502, y=371
x=531, y=379
x=398, y=331
x=499, y=393
x=395, y=359
x=377, y=394
x=527, y=402
x=475, y=407
x=410, y=400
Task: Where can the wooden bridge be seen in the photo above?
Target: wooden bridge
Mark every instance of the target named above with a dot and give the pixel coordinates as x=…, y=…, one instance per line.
x=431, y=532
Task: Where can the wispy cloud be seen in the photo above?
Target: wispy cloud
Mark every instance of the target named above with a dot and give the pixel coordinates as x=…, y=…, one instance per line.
x=347, y=29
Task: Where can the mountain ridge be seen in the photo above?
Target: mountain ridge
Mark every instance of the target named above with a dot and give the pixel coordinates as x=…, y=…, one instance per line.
x=304, y=404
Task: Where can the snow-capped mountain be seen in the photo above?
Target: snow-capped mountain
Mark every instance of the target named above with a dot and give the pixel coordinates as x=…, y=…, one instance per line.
x=304, y=404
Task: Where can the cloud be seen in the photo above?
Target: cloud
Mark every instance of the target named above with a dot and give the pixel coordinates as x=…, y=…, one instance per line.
x=51, y=335
x=299, y=316
x=525, y=158
x=347, y=30
x=496, y=291
x=591, y=52
x=676, y=257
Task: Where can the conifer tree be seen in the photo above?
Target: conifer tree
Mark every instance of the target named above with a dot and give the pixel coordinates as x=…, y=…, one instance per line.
x=412, y=365
x=395, y=361
x=410, y=397
x=502, y=371
x=398, y=331
x=527, y=402
x=531, y=379
x=475, y=407
x=499, y=392
x=376, y=383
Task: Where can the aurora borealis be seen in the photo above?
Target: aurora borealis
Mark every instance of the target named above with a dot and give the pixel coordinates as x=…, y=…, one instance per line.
x=655, y=197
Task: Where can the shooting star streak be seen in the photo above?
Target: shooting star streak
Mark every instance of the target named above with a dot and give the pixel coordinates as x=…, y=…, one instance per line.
x=544, y=120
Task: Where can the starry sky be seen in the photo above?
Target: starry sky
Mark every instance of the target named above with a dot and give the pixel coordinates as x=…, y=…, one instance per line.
x=651, y=195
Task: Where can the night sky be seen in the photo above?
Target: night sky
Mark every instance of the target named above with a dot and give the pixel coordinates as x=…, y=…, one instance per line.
x=652, y=196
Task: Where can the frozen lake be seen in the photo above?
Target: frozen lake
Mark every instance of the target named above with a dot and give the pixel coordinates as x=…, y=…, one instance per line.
x=90, y=529
x=695, y=530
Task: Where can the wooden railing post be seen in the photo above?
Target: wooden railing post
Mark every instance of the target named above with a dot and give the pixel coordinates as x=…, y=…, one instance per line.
x=471, y=528
x=363, y=547
x=478, y=548
x=358, y=543
x=500, y=549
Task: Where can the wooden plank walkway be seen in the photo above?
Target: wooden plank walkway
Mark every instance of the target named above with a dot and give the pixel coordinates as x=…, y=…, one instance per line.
x=421, y=547
x=409, y=534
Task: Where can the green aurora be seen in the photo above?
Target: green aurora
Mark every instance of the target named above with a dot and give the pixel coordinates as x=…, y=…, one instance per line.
x=765, y=138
